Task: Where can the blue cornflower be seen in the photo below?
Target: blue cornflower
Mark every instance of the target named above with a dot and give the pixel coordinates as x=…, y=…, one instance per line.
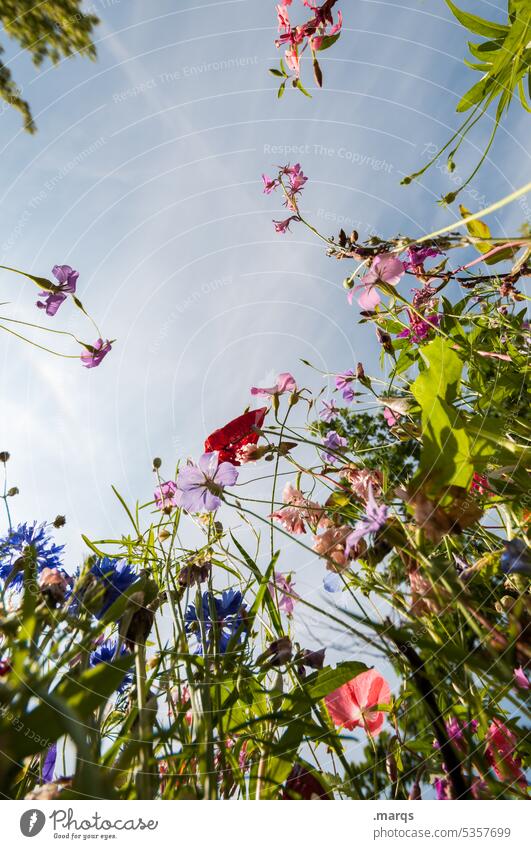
x=15, y=544
x=116, y=577
x=229, y=618
x=516, y=558
x=105, y=654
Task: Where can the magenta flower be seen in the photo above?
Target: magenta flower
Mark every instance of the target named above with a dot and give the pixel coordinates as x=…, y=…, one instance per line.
x=333, y=442
x=418, y=255
x=200, y=486
x=419, y=328
x=94, y=354
x=296, y=177
x=328, y=411
x=282, y=226
x=318, y=40
x=282, y=588
x=285, y=383
x=167, y=496
x=67, y=279
x=385, y=268
x=269, y=184
x=374, y=519
x=520, y=679
x=442, y=789
x=343, y=384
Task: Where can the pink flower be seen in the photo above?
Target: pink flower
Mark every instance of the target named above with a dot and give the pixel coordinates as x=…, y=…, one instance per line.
x=362, y=479
x=318, y=40
x=520, y=679
x=297, y=511
x=500, y=753
x=94, y=354
x=285, y=383
x=269, y=184
x=385, y=268
x=390, y=417
x=167, y=496
x=282, y=587
x=282, y=226
x=296, y=177
x=419, y=328
x=331, y=544
x=293, y=60
x=284, y=24
x=353, y=704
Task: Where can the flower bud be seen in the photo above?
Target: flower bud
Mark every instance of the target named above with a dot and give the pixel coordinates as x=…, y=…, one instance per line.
x=59, y=522
x=13, y=491
x=4, y=456
x=157, y=463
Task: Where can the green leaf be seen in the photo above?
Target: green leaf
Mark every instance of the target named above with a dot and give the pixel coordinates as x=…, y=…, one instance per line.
x=328, y=40
x=80, y=694
x=41, y=282
x=445, y=456
x=321, y=683
x=480, y=26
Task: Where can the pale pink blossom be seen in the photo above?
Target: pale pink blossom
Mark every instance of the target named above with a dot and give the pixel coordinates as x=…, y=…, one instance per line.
x=283, y=226
x=331, y=544
x=282, y=588
x=361, y=479
x=297, y=511
x=385, y=268
x=521, y=679
x=285, y=383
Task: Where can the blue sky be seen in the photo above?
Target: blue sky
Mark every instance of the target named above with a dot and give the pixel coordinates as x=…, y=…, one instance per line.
x=145, y=176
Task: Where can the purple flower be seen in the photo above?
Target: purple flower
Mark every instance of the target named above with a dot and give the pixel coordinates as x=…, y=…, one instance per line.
x=374, y=519
x=328, y=411
x=442, y=789
x=419, y=328
x=167, y=496
x=343, y=384
x=94, y=354
x=335, y=442
x=67, y=279
x=201, y=486
x=418, y=255
x=48, y=767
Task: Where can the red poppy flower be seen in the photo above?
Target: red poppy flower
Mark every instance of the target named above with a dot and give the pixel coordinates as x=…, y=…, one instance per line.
x=234, y=436
x=353, y=703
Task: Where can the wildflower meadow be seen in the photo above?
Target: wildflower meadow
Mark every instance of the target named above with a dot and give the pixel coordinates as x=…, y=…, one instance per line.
x=183, y=657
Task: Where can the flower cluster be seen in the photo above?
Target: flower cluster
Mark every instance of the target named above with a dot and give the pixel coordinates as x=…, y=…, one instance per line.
x=317, y=33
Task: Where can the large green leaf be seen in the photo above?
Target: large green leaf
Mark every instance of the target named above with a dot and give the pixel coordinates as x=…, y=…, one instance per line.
x=480, y=26
x=445, y=456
